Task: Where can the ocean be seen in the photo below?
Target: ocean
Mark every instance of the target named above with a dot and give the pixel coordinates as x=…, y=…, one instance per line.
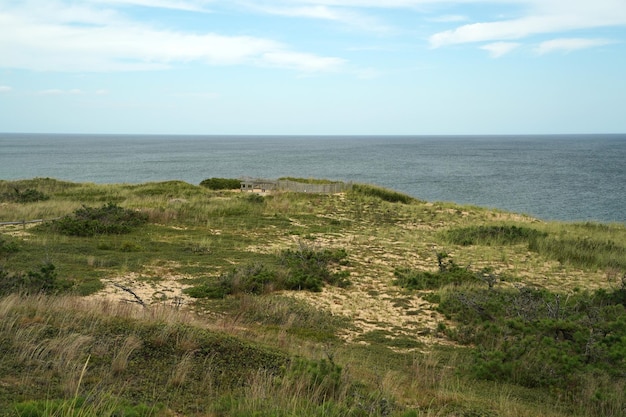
x=552, y=177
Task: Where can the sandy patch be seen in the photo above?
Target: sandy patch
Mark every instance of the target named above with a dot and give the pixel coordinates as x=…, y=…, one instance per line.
x=143, y=290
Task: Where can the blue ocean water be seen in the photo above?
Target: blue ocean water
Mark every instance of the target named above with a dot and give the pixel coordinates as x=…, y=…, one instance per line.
x=556, y=177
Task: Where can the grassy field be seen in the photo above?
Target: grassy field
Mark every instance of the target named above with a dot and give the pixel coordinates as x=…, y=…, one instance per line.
x=171, y=299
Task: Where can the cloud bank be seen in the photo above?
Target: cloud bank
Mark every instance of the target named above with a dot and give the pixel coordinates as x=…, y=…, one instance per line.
x=569, y=45
x=108, y=35
x=65, y=37
x=540, y=18
x=498, y=49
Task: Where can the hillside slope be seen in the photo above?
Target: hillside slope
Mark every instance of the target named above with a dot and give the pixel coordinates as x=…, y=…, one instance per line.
x=362, y=303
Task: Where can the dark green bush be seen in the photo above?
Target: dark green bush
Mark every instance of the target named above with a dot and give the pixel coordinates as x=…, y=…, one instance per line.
x=33, y=282
x=7, y=246
x=536, y=338
x=449, y=274
x=425, y=280
x=250, y=279
x=302, y=269
x=221, y=183
x=308, y=268
x=92, y=221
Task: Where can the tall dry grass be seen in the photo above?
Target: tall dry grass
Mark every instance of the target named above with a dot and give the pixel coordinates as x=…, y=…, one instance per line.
x=120, y=360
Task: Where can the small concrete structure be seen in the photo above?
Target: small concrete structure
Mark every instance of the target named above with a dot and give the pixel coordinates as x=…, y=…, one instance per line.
x=258, y=185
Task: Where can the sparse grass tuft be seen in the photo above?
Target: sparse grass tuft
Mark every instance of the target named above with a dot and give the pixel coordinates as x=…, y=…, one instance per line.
x=583, y=252
x=493, y=235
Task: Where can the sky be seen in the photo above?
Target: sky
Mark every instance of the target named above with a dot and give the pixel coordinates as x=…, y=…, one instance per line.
x=313, y=67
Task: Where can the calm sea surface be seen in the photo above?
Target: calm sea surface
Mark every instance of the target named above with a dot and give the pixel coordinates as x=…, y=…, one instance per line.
x=571, y=178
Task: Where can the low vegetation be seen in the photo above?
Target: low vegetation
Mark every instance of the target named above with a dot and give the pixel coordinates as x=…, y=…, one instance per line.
x=493, y=235
x=304, y=268
x=221, y=183
x=28, y=195
x=109, y=219
x=172, y=299
x=44, y=281
x=382, y=193
x=582, y=251
x=449, y=273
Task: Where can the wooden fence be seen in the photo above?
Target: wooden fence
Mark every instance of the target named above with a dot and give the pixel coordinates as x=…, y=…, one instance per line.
x=25, y=222
x=262, y=185
x=301, y=187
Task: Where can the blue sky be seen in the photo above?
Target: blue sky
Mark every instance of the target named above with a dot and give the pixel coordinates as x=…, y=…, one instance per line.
x=397, y=67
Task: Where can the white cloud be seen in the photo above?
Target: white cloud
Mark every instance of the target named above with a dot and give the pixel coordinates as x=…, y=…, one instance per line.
x=540, y=17
x=67, y=38
x=187, y=5
x=569, y=45
x=313, y=12
x=498, y=49
x=386, y=4
x=502, y=30
x=5, y=89
x=343, y=15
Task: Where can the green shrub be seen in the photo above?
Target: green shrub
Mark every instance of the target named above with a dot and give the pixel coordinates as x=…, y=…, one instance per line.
x=536, y=338
x=308, y=268
x=130, y=247
x=449, y=274
x=255, y=278
x=425, y=280
x=221, y=183
x=33, y=282
x=206, y=290
x=301, y=269
x=7, y=246
x=92, y=221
